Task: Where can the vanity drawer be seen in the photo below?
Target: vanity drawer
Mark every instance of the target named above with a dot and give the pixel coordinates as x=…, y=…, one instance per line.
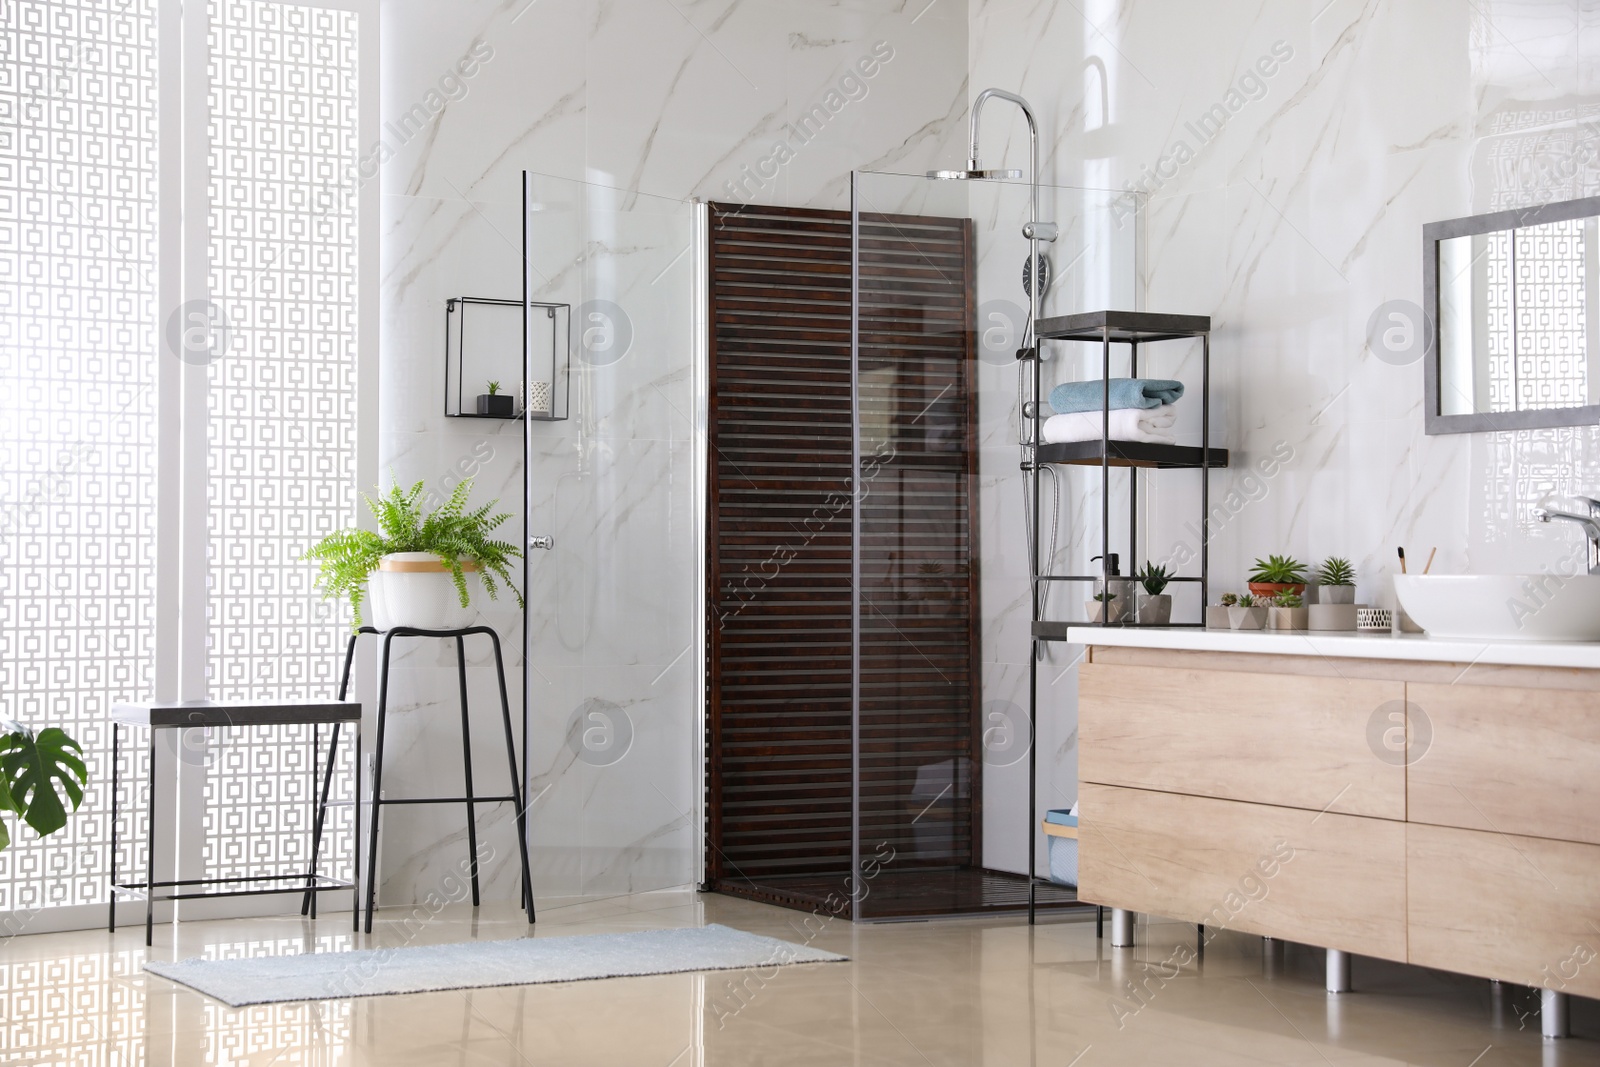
x=1514, y=761
x=1520, y=909
x=1296, y=742
x=1336, y=881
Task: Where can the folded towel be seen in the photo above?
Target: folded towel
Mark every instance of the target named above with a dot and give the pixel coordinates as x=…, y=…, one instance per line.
x=1129, y=424
x=1125, y=393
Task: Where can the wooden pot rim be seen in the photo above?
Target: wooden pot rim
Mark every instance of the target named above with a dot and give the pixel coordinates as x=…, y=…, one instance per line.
x=422, y=566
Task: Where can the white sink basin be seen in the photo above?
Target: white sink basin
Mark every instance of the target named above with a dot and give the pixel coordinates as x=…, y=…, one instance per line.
x=1503, y=607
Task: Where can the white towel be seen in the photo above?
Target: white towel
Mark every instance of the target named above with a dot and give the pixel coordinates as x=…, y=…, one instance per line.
x=1152, y=425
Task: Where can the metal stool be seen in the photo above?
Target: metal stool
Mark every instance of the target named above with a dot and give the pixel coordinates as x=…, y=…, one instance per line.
x=154, y=717
x=470, y=800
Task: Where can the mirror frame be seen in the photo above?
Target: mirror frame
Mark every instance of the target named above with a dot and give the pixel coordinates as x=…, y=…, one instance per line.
x=1487, y=422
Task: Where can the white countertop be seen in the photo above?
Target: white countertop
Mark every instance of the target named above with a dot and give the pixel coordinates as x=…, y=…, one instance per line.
x=1348, y=644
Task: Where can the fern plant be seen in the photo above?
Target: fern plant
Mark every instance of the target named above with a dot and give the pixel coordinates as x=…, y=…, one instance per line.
x=35, y=769
x=454, y=534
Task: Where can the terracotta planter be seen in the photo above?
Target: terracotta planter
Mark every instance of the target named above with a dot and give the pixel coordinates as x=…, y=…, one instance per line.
x=1268, y=590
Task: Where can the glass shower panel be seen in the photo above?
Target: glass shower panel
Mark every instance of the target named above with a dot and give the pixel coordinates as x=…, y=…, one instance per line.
x=944, y=738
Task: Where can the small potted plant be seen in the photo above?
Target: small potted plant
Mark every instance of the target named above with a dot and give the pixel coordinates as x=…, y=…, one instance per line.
x=1274, y=574
x=1217, y=614
x=1336, y=581
x=1244, y=614
x=35, y=769
x=1287, y=612
x=1105, y=607
x=1155, y=607
x=417, y=567
x=494, y=402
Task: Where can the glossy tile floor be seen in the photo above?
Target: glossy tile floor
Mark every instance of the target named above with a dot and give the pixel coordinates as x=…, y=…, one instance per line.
x=933, y=993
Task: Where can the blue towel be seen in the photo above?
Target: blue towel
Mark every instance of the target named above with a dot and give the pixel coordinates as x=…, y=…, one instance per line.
x=1125, y=393
x=1061, y=817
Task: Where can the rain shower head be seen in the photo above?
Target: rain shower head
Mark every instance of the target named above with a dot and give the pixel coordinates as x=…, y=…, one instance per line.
x=975, y=171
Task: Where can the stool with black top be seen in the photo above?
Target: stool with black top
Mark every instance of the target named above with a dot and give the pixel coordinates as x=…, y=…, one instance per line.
x=155, y=716
x=471, y=800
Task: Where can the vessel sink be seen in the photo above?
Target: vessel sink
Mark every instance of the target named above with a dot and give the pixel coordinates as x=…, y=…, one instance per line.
x=1503, y=607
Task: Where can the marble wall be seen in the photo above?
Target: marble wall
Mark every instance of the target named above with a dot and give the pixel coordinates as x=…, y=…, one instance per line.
x=1286, y=156
x=626, y=109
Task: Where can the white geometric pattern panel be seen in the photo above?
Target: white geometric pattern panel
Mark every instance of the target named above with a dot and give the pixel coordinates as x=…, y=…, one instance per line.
x=282, y=275
x=78, y=358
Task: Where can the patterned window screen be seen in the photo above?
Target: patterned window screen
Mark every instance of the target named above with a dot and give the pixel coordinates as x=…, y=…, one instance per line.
x=1538, y=328
x=282, y=269
x=78, y=247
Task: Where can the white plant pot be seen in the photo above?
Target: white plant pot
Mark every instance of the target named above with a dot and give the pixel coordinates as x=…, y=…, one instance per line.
x=414, y=589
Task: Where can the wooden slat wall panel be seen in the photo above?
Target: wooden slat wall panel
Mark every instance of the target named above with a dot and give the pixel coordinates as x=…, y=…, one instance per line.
x=779, y=750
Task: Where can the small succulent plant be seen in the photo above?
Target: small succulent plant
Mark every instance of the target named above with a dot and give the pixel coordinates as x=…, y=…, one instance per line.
x=1279, y=570
x=494, y=388
x=1245, y=600
x=1230, y=600
x=1154, y=577
x=1336, y=571
x=1287, y=599
x=1105, y=598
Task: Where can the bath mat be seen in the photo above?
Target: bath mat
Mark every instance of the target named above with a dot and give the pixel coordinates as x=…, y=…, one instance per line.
x=479, y=964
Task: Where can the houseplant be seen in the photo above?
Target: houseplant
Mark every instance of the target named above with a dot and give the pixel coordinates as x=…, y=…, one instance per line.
x=1105, y=607
x=1244, y=614
x=1155, y=607
x=1286, y=612
x=494, y=402
x=1336, y=581
x=422, y=562
x=1274, y=574
x=34, y=770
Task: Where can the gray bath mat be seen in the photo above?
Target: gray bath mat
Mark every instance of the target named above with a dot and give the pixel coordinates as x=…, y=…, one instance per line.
x=477, y=964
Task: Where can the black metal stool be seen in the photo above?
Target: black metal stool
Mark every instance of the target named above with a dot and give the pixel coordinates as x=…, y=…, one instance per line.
x=470, y=800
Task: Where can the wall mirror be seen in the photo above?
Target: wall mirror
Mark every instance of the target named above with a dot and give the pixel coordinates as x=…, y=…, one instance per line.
x=1515, y=300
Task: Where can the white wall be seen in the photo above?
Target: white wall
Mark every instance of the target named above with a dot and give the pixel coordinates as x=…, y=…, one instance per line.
x=1290, y=228
x=633, y=107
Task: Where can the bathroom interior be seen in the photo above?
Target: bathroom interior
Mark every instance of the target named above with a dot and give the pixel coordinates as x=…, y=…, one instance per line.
x=1070, y=525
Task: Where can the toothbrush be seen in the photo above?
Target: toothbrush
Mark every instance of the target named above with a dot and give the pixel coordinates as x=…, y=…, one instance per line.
x=1402, y=561
x=1429, y=565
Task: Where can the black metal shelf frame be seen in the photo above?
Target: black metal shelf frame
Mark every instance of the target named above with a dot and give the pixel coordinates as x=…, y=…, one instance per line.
x=1106, y=328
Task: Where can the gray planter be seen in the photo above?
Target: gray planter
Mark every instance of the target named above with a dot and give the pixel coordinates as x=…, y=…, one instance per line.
x=1155, y=610
x=1247, y=618
x=1117, y=610
x=1336, y=594
x=1286, y=618
x=1331, y=617
x=1217, y=618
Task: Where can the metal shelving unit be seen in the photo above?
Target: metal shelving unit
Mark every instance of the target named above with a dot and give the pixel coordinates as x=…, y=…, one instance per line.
x=1107, y=328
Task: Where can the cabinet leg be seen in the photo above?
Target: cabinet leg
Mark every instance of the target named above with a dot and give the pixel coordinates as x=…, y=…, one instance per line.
x=1553, y=1014
x=1121, y=928
x=1338, y=971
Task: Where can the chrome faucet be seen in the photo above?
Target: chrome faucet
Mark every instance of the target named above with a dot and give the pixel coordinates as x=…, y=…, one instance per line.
x=1590, y=521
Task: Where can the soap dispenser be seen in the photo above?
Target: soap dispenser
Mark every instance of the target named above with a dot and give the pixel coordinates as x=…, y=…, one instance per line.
x=1114, y=583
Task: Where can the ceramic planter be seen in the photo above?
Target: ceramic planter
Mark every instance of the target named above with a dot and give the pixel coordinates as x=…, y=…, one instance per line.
x=501, y=405
x=1331, y=617
x=1217, y=617
x=1247, y=618
x=1286, y=618
x=1098, y=612
x=1268, y=590
x=1155, y=610
x=414, y=589
x=1336, y=594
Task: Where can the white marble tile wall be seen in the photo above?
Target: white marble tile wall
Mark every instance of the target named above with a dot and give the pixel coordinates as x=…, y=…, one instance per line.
x=1289, y=225
x=630, y=107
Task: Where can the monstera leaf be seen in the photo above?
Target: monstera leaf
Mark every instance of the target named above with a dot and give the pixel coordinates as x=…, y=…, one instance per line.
x=35, y=770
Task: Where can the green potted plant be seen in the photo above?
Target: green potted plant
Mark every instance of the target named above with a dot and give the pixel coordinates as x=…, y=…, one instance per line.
x=1154, y=607
x=1274, y=574
x=1106, y=607
x=1245, y=614
x=1287, y=611
x=494, y=402
x=1336, y=581
x=35, y=770
x=419, y=568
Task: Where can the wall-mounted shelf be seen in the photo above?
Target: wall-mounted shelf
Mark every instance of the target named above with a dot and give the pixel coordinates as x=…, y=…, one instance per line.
x=1130, y=454
x=526, y=348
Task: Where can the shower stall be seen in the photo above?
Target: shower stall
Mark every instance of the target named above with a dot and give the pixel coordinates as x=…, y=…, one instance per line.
x=869, y=748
